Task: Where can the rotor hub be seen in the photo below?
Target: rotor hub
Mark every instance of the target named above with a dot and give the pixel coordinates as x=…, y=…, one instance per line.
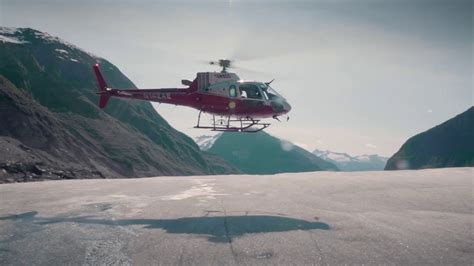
x=224, y=63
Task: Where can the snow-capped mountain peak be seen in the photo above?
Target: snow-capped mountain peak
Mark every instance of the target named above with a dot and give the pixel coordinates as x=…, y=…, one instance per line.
x=347, y=162
x=27, y=35
x=335, y=156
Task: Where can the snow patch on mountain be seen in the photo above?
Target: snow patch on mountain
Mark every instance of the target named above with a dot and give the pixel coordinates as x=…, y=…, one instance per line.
x=205, y=142
x=27, y=35
x=10, y=40
x=363, y=158
x=8, y=30
x=9, y=35
x=335, y=156
x=61, y=51
x=48, y=38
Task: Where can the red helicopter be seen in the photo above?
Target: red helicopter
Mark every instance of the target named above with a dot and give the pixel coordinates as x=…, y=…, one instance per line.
x=242, y=103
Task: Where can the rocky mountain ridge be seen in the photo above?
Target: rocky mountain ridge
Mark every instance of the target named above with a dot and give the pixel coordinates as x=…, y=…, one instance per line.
x=450, y=144
x=48, y=105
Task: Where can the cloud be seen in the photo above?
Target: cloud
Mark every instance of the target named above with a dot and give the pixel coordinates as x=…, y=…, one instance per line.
x=370, y=145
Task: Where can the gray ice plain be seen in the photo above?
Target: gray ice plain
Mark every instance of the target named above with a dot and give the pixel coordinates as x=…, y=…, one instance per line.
x=390, y=217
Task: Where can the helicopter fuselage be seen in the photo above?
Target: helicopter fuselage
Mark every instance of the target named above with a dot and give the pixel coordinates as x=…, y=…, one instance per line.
x=216, y=93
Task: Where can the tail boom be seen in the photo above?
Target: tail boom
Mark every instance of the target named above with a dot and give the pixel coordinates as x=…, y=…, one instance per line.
x=103, y=89
x=169, y=95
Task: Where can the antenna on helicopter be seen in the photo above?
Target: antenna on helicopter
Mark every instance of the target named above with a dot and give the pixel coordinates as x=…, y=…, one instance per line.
x=268, y=83
x=224, y=63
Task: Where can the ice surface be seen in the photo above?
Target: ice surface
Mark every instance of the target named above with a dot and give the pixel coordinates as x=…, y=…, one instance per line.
x=421, y=217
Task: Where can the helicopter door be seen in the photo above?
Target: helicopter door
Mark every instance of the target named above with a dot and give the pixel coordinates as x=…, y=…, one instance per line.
x=251, y=96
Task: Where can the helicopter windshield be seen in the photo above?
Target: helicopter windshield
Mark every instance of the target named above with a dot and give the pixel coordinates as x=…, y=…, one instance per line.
x=269, y=92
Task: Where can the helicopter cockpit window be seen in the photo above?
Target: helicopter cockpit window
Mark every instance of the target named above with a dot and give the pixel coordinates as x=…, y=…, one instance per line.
x=232, y=91
x=251, y=91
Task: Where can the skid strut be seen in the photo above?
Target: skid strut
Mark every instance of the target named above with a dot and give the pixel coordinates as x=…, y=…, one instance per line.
x=248, y=124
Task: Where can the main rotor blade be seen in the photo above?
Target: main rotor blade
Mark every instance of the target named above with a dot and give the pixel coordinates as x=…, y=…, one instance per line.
x=250, y=70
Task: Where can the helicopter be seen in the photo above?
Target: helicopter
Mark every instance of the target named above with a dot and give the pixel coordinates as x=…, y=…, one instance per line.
x=242, y=103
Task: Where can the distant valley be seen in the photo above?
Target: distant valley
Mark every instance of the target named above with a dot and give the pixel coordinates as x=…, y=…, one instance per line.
x=261, y=153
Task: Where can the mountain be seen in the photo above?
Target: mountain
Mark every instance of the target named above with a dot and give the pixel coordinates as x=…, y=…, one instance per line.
x=450, y=144
x=346, y=162
x=50, y=122
x=261, y=153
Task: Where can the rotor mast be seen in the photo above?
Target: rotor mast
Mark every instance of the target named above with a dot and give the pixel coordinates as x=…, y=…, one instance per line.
x=224, y=63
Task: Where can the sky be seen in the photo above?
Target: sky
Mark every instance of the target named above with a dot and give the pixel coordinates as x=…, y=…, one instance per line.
x=361, y=76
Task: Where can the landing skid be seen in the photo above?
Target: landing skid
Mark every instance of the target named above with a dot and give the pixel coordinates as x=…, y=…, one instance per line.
x=248, y=125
